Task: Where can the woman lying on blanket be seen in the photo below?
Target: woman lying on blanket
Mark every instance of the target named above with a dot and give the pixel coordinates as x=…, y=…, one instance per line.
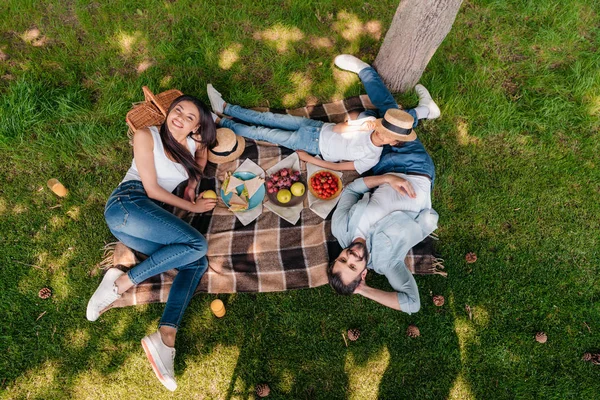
x=360, y=142
x=164, y=157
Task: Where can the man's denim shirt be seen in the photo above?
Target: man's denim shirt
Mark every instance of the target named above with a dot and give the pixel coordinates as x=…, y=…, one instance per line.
x=388, y=241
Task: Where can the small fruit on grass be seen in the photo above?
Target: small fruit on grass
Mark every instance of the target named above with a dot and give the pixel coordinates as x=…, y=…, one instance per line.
x=298, y=189
x=439, y=300
x=262, y=390
x=541, y=337
x=284, y=196
x=413, y=331
x=353, y=334
x=471, y=258
x=45, y=293
x=209, y=194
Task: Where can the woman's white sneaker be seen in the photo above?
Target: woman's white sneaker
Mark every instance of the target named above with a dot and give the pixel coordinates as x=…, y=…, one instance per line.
x=162, y=359
x=105, y=295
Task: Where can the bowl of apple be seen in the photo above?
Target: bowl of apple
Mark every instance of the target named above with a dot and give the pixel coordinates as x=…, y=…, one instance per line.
x=286, y=188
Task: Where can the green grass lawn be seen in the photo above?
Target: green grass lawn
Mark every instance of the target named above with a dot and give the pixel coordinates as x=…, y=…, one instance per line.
x=516, y=151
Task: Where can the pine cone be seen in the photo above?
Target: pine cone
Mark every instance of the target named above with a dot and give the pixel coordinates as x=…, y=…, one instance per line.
x=439, y=300
x=45, y=293
x=471, y=258
x=594, y=358
x=413, y=331
x=353, y=334
x=262, y=390
x=541, y=337
x=587, y=357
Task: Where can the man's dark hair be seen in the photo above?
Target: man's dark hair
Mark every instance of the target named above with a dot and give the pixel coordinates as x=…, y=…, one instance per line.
x=335, y=281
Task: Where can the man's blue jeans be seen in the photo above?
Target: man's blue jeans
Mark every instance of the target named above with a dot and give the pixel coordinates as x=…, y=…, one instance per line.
x=141, y=224
x=411, y=156
x=296, y=133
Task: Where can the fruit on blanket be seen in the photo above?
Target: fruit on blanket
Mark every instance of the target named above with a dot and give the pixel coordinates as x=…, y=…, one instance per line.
x=413, y=331
x=298, y=189
x=284, y=196
x=209, y=194
x=353, y=334
x=325, y=185
x=541, y=337
x=439, y=300
x=262, y=390
x=282, y=179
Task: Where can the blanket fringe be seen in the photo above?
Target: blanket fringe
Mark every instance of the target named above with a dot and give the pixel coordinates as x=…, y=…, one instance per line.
x=438, y=266
x=107, y=257
x=434, y=236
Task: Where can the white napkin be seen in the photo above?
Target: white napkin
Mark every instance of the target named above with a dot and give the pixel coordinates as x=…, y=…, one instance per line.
x=246, y=217
x=290, y=214
x=319, y=206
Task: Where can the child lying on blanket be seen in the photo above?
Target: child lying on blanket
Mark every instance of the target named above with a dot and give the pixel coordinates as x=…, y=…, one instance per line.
x=360, y=142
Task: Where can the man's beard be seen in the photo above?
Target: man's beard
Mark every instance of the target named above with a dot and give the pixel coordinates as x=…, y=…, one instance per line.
x=359, y=250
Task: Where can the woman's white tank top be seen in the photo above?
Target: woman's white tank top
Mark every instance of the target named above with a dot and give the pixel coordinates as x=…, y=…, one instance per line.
x=169, y=173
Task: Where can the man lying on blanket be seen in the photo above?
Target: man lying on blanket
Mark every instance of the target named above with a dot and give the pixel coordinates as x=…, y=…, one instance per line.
x=378, y=229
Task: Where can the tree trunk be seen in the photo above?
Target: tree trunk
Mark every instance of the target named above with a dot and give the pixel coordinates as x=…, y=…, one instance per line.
x=417, y=30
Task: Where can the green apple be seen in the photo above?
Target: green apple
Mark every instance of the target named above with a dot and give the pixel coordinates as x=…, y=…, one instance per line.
x=284, y=196
x=298, y=189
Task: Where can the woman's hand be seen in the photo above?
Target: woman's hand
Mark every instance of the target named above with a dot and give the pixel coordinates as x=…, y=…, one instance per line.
x=190, y=191
x=304, y=156
x=203, y=205
x=401, y=185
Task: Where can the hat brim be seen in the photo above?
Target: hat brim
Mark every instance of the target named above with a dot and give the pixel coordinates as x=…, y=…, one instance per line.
x=234, y=155
x=396, y=136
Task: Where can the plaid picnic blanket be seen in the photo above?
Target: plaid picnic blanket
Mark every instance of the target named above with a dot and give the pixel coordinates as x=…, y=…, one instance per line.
x=269, y=254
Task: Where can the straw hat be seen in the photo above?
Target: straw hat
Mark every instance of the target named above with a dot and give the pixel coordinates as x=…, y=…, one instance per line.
x=229, y=147
x=397, y=124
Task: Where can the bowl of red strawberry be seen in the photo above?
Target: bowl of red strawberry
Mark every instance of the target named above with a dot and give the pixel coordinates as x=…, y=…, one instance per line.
x=325, y=185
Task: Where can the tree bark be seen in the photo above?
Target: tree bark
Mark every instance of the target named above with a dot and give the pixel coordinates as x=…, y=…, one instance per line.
x=417, y=30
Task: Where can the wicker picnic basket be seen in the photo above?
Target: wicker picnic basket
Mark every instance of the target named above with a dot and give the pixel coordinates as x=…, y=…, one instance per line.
x=152, y=111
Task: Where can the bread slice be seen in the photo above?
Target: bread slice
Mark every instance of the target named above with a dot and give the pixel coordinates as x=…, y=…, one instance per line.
x=237, y=203
x=232, y=182
x=252, y=185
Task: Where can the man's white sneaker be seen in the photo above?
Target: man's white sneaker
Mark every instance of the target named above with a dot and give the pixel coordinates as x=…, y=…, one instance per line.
x=350, y=63
x=162, y=358
x=216, y=101
x=105, y=295
x=425, y=100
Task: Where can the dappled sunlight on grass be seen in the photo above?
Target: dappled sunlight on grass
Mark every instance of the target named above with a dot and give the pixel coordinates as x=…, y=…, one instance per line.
x=143, y=66
x=302, y=85
x=230, y=56
x=19, y=209
x=76, y=339
x=351, y=28
x=364, y=378
x=74, y=213
x=34, y=383
x=343, y=81
x=593, y=107
x=461, y=390
x=2, y=205
x=131, y=43
x=34, y=37
x=462, y=134
x=280, y=36
x=321, y=42
x=166, y=81
x=57, y=222
x=217, y=370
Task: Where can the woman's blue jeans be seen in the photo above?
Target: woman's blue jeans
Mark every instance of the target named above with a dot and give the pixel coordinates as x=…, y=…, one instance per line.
x=296, y=133
x=169, y=242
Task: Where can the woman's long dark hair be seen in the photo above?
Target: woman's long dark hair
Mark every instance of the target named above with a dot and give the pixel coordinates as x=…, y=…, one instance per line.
x=208, y=137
